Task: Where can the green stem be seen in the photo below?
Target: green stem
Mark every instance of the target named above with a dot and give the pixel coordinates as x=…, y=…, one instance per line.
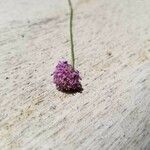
x=71, y=33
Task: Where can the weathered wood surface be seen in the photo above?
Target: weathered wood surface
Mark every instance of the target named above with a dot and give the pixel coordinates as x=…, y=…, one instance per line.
x=112, y=41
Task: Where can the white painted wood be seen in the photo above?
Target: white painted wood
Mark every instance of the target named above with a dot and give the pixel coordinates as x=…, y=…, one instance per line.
x=112, y=43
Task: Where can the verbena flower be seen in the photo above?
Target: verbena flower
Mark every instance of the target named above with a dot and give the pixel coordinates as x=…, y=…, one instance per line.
x=66, y=78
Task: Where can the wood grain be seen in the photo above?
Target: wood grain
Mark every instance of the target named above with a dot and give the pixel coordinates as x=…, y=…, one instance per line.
x=112, y=46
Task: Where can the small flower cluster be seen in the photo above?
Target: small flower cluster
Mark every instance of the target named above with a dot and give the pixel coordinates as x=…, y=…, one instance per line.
x=66, y=78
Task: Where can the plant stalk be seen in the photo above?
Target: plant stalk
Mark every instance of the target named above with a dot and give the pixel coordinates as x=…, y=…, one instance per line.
x=71, y=34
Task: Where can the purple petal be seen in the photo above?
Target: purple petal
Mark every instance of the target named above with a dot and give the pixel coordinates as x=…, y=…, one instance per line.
x=66, y=78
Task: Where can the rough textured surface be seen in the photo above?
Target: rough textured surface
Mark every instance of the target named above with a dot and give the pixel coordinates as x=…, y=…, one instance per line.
x=112, y=41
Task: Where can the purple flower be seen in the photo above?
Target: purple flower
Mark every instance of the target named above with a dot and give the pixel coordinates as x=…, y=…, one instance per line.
x=66, y=78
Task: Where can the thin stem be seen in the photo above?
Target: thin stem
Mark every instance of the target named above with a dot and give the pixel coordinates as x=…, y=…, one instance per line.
x=71, y=33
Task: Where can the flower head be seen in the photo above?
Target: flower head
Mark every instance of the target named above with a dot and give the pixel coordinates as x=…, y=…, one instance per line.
x=66, y=78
